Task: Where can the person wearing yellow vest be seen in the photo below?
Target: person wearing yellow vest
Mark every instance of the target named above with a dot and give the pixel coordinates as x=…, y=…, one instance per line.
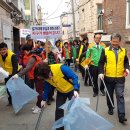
x=34, y=59
x=92, y=58
x=9, y=62
x=63, y=79
x=81, y=56
x=113, y=67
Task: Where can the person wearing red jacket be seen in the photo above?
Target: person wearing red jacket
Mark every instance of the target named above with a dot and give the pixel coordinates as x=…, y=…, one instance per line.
x=33, y=60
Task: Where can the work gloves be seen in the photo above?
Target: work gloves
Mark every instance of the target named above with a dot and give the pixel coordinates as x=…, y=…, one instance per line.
x=101, y=76
x=126, y=73
x=43, y=104
x=76, y=94
x=15, y=76
x=86, y=67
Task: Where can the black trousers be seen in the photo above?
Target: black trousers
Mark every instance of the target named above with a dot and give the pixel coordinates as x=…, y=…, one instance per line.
x=82, y=71
x=9, y=96
x=68, y=61
x=119, y=91
x=60, y=100
x=87, y=80
x=29, y=82
x=94, y=73
x=51, y=93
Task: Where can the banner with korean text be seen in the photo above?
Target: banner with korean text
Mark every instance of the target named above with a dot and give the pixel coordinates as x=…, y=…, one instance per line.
x=46, y=32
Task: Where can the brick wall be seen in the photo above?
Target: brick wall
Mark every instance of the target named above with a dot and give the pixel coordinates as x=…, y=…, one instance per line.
x=116, y=11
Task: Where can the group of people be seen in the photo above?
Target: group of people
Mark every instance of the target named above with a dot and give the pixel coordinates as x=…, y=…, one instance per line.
x=94, y=60
x=111, y=65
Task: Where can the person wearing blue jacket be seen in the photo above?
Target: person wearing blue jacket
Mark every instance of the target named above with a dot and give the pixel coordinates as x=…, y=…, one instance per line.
x=63, y=79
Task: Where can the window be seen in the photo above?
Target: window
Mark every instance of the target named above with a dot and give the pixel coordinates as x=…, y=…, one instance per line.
x=100, y=16
x=99, y=8
x=128, y=14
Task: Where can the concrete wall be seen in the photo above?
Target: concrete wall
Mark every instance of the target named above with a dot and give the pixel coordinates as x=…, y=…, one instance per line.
x=5, y=21
x=88, y=21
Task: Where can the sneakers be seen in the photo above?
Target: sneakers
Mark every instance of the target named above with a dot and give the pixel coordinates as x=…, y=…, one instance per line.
x=36, y=110
x=122, y=119
x=95, y=94
x=102, y=92
x=33, y=108
x=110, y=111
x=48, y=102
x=52, y=99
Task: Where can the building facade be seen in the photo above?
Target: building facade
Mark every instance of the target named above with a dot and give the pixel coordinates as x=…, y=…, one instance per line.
x=65, y=27
x=88, y=21
x=33, y=13
x=11, y=16
x=67, y=20
x=116, y=18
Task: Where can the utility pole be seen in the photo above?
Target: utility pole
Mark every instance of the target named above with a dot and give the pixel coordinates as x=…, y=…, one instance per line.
x=73, y=15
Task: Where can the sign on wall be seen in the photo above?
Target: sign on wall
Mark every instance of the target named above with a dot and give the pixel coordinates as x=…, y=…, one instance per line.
x=46, y=32
x=24, y=32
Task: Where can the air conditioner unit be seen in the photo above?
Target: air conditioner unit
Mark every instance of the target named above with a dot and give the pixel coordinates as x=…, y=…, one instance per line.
x=127, y=38
x=9, y=1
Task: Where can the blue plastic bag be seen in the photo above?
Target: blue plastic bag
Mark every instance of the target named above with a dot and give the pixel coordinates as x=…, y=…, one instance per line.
x=80, y=117
x=21, y=93
x=2, y=91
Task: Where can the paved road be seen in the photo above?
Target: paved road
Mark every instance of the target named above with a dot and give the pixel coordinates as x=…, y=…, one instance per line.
x=25, y=120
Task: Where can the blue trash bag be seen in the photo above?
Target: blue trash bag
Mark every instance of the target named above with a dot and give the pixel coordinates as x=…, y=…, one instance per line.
x=21, y=93
x=2, y=91
x=80, y=117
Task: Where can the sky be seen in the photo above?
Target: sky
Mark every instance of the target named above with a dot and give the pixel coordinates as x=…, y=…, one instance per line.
x=54, y=8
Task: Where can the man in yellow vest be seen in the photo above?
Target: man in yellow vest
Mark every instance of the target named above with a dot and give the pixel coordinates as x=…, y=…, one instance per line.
x=9, y=62
x=63, y=79
x=113, y=67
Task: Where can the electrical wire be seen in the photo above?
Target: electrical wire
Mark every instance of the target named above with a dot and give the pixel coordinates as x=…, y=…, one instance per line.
x=53, y=18
x=55, y=9
x=82, y=5
x=74, y=11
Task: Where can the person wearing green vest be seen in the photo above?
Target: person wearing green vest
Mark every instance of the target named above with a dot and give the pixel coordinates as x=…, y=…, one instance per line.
x=92, y=58
x=67, y=56
x=113, y=68
x=75, y=48
x=9, y=62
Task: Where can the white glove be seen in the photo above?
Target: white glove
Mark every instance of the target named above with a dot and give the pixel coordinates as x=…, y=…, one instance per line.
x=76, y=94
x=46, y=60
x=126, y=73
x=77, y=60
x=43, y=103
x=86, y=67
x=63, y=58
x=15, y=76
x=4, y=73
x=101, y=76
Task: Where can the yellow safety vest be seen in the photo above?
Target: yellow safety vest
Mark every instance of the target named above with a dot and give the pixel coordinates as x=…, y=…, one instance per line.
x=113, y=69
x=83, y=62
x=7, y=64
x=80, y=51
x=58, y=80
